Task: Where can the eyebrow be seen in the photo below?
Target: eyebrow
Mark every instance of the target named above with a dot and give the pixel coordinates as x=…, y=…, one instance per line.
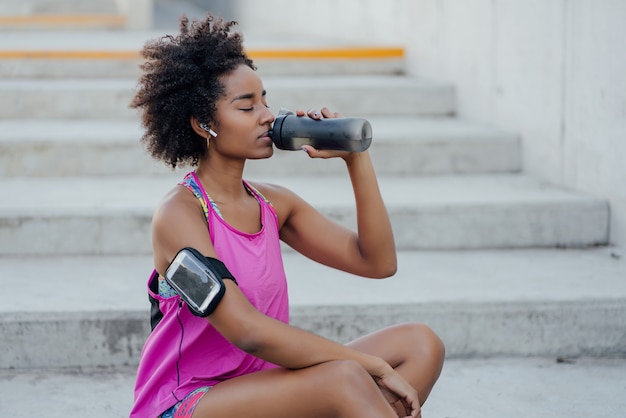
x=247, y=96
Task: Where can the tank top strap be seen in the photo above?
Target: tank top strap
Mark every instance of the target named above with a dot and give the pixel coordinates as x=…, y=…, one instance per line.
x=191, y=182
x=258, y=194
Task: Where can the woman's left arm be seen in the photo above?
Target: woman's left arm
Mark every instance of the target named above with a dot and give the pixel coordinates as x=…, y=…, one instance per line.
x=370, y=251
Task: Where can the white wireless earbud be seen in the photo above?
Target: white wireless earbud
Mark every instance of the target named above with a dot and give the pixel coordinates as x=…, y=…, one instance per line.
x=205, y=127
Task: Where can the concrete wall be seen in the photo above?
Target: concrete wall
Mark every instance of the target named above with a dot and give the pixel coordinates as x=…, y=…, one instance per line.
x=375, y=20
x=139, y=13
x=553, y=70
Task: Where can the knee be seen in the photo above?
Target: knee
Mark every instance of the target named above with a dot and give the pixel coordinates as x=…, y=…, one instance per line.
x=426, y=341
x=349, y=390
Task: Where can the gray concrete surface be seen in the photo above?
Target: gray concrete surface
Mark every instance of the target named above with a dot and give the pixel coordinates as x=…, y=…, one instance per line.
x=118, y=54
x=38, y=7
x=106, y=98
x=112, y=215
x=93, y=311
x=478, y=388
x=423, y=277
x=401, y=146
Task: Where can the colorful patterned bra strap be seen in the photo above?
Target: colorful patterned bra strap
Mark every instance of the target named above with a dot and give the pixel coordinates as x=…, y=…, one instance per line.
x=255, y=191
x=192, y=182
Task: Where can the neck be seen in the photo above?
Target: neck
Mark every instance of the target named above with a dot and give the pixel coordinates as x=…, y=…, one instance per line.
x=223, y=181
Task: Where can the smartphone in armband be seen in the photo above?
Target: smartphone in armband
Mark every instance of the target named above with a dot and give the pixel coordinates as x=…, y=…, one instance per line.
x=198, y=280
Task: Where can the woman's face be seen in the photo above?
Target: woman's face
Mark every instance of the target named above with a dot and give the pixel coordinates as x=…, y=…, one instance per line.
x=243, y=118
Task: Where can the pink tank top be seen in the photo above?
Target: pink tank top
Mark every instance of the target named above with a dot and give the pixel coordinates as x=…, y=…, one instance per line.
x=185, y=352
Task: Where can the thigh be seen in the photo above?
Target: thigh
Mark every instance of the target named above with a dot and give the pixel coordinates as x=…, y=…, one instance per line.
x=412, y=349
x=332, y=389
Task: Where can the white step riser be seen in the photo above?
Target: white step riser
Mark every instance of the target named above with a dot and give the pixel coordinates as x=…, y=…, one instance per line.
x=115, y=22
x=26, y=15
x=48, y=68
x=108, y=68
x=574, y=224
x=104, y=339
x=440, y=156
x=35, y=7
x=110, y=100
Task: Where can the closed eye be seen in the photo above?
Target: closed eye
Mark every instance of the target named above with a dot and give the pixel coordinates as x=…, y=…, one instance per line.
x=249, y=109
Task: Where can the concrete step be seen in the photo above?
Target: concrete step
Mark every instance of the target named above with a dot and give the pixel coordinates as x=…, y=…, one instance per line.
x=539, y=386
x=107, y=54
x=401, y=146
x=37, y=15
x=93, y=311
x=39, y=7
x=350, y=95
x=63, y=21
x=111, y=215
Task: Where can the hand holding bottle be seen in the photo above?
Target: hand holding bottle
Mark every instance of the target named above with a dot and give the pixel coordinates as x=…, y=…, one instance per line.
x=322, y=130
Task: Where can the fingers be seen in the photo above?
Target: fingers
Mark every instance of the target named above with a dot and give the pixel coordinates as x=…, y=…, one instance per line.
x=321, y=153
x=411, y=403
x=315, y=153
x=416, y=409
x=395, y=384
x=327, y=113
x=324, y=113
x=315, y=114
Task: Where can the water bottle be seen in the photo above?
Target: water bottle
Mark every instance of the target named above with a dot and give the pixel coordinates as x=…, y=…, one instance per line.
x=291, y=132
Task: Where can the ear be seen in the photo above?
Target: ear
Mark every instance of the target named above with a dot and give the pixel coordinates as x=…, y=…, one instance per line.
x=202, y=129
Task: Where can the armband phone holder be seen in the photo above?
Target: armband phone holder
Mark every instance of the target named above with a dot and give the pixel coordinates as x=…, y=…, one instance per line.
x=198, y=280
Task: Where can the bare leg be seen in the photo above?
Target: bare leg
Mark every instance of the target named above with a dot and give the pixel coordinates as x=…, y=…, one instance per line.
x=332, y=389
x=412, y=349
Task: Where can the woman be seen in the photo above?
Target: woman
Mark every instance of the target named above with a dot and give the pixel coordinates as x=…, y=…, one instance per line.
x=203, y=104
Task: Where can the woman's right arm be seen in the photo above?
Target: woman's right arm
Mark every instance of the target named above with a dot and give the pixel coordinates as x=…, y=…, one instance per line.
x=179, y=222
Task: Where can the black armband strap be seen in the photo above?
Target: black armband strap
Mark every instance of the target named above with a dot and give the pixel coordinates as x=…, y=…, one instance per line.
x=220, y=269
x=198, y=280
x=216, y=265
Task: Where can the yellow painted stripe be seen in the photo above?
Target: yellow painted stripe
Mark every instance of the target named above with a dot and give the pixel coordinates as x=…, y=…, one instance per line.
x=256, y=54
x=328, y=53
x=57, y=20
x=70, y=55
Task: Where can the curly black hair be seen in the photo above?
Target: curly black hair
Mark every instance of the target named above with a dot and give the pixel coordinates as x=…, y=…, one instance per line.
x=181, y=79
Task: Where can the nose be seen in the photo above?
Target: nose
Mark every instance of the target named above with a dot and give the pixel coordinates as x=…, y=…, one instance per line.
x=267, y=117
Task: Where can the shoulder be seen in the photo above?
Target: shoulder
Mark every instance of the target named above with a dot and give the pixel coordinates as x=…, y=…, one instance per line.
x=178, y=222
x=282, y=199
x=176, y=202
x=276, y=194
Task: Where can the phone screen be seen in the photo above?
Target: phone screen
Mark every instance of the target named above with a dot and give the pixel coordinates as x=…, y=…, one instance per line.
x=192, y=280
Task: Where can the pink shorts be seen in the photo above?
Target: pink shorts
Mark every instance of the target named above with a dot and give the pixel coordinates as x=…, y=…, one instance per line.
x=185, y=408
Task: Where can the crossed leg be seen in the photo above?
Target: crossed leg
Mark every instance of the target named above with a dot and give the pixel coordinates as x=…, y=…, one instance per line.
x=332, y=389
x=335, y=388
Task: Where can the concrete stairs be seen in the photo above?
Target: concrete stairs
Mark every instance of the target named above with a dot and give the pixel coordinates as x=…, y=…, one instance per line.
x=75, y=14
x=497, y=262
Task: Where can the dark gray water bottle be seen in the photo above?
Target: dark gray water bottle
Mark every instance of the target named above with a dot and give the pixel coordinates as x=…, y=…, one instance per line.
x=291, y=132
